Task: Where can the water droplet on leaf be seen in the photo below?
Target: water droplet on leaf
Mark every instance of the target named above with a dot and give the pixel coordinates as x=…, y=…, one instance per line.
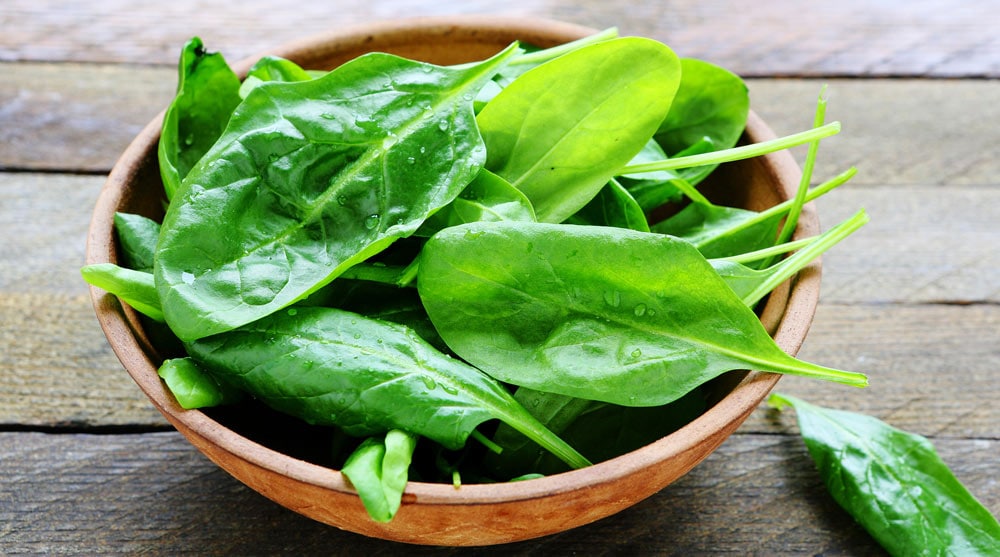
x=371, y=221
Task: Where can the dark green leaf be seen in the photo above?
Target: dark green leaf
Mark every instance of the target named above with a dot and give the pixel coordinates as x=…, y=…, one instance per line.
x=333, y=367
x=709, y=112
x=894, y=484
x=600, y=313
x=137, y=237
x=719, y=231
x=613, y=206
x=207, y=94
x=488, y=198
x=600, y=431
x=560, y=131
x=310, y=178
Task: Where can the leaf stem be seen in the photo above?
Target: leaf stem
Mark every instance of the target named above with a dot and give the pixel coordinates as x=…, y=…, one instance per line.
x=791, y=265
x=736, y=153
x=800, y=195
x=520, y=419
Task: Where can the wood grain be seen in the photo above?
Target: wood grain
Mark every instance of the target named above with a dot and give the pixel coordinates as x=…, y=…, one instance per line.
x=87, y=494
x=898, y=132
x=849, y=37
x=923, y=322
x=933, y=244
x=911, y=299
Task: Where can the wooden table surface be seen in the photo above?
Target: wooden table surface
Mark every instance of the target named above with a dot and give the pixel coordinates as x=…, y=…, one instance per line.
x=88, y=466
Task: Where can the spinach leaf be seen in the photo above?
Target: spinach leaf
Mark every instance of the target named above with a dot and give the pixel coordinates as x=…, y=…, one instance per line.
x=720, y=231
x=135, y=288
x=613, y=206
x=193, y=387
x=488, y=198
x=532, y=58
x=600, y=313
x=709, y=113
x=379, y=469
x=207, y=94
x=560, y=131
x=310, y=178
x=893, y=483
x=272, y=68
x=333, y=367
x=137, y=236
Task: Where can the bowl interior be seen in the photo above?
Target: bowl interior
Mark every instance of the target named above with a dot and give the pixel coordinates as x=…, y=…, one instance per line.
x=283, y=458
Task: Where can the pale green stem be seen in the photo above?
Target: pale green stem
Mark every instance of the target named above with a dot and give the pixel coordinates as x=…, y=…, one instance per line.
x=735, y=153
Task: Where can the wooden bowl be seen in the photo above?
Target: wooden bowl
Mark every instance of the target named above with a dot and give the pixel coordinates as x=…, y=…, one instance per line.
x=477, y=514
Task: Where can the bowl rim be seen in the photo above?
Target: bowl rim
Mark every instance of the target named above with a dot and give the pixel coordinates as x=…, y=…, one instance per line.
x=120, y=323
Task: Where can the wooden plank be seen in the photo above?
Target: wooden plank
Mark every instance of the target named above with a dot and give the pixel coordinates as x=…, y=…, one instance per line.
x=153, y=492
x=898, y=132
x=920, y=259
x=84, y=115
x=924, y=244
x=44, y=225
x=59, y=369
x=784, y=37
x=895, y=132
x=933, y=369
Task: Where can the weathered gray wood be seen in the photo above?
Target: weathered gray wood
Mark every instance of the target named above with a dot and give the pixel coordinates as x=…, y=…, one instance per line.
x=896, y=132
x=882, y=319
x=849, y=37
x=900, y=132
x=933, y=369
x=924, y=244
x=85, y=494
x=76, y=117
x=932, y=244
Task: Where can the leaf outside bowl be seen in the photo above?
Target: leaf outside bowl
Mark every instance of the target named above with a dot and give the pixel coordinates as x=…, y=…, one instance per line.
x=439, y=514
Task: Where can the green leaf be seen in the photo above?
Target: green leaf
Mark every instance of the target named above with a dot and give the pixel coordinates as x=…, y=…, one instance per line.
x=207, y=94
x=613, y=206
x=137, y=237
x=310, y=178
x=894, y=484
x=601, y=313
x=135, y=288
x=560, y=131
x=488, y=198
x=378, y=469
x=719, y=231
x=193, y=387
x=333, y=367
x=709, y=113
x=272, y=68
